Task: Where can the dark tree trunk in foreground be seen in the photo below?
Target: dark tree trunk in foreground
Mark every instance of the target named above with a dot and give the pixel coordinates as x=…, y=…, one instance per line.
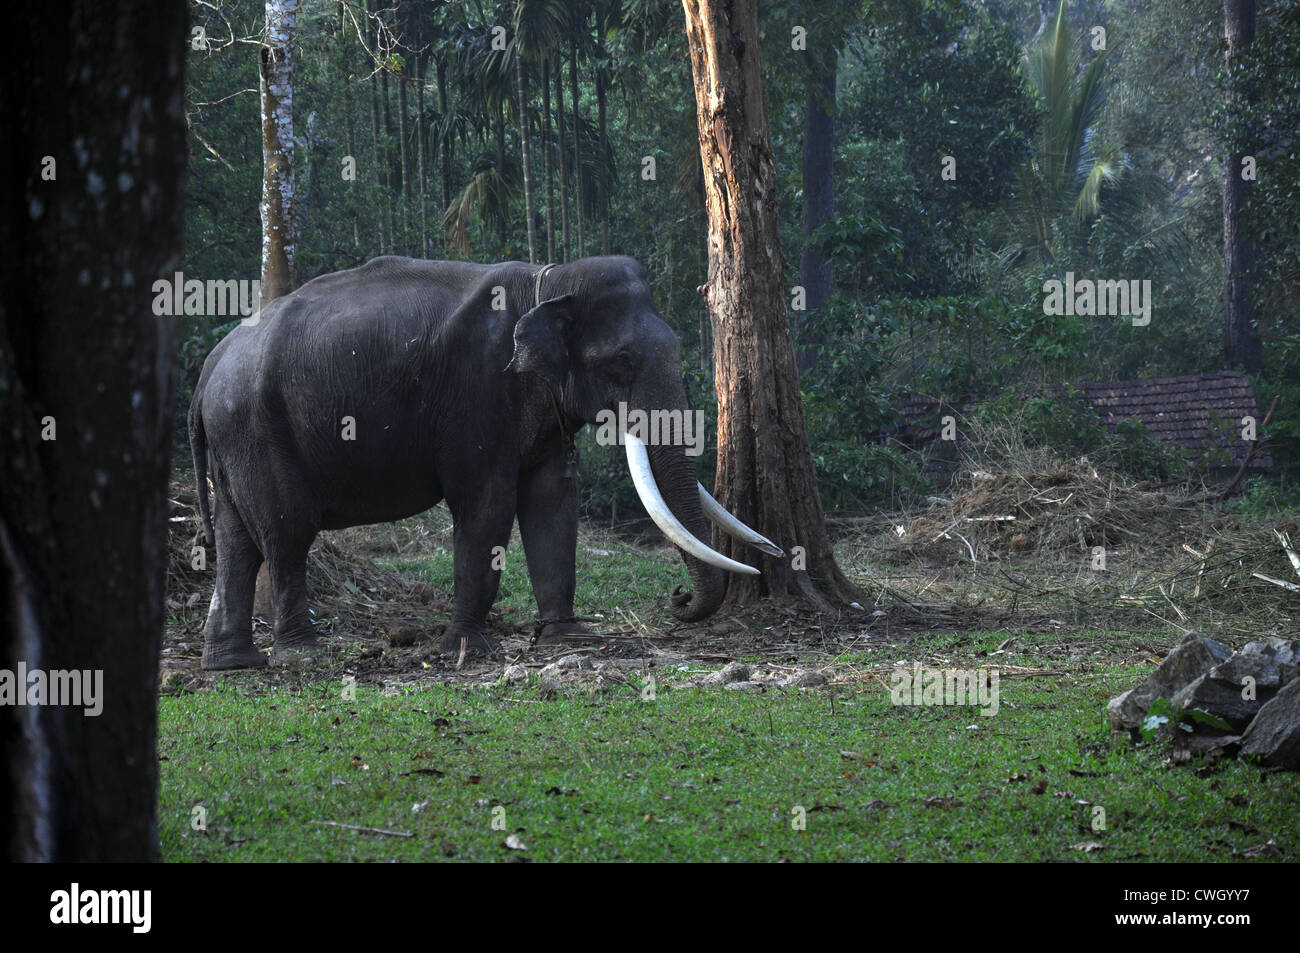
x=98, y=88
x=818, y=199
x=1241, y=345
x=764, y=474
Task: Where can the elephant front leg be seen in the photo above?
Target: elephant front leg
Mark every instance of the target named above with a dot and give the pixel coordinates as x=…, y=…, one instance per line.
x=482, y=532
x=548, y=523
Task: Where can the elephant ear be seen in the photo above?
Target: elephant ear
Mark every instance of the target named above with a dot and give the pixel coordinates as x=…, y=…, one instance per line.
x=540, y=346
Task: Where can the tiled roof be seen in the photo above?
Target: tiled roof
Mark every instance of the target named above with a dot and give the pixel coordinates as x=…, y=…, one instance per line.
x=1199, y=414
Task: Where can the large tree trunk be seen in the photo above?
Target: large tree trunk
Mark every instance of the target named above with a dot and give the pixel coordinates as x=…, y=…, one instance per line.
x=1241, y=341
x=87, y=398
x=764, y=473
x=818, y=198
x=275, y=58
x=522, y=92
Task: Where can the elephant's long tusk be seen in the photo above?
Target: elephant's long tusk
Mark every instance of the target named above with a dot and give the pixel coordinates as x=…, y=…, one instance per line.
x=734, y=527
x=638, y=462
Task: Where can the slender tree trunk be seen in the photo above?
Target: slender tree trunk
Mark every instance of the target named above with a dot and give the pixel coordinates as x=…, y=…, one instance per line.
x=404, y=152
x=349, y=104
x=580, y=248
x=564, y=160
x=1242, y=345
x=818, y=199
x=378, y=159
x=421, y=131
x=393, y=181
x=275, y=57
x=764, y=473
x=521, y=89
x=501, y=163
x=87, y=396
x=604, y=150
x=446, y=140
x=546, y=160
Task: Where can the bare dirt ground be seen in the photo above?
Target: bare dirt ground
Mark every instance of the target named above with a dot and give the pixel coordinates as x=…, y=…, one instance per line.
x=1011, y=552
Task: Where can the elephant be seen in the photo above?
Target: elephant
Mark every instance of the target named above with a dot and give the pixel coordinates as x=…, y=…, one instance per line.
x=371, y=394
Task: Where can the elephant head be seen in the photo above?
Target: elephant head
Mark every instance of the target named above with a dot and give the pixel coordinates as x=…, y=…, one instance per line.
x=603, y=350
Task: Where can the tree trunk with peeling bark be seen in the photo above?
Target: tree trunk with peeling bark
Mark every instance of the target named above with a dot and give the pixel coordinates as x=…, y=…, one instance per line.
x=87, y=396
x=764, y=470
x=275, y=60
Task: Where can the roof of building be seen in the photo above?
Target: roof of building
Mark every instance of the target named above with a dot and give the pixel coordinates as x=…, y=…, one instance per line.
x=1200, y=414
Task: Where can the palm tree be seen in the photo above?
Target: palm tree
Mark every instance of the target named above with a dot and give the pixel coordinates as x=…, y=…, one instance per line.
x=538, y=26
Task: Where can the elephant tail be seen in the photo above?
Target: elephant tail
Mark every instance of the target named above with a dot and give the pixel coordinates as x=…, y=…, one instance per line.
x=199, y=451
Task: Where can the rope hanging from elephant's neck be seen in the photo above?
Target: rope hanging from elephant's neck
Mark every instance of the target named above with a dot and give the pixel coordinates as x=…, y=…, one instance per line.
x=566, y=435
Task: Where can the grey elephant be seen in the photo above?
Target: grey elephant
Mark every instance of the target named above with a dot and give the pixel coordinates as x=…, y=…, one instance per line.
x=371, y=394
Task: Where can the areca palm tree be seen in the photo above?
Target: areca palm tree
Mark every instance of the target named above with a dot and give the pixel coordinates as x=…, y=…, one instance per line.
x=538, y=27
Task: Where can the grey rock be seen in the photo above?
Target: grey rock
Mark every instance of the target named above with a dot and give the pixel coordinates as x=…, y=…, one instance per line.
x=1274, y=735
x=805, y=679
x=734, y=672
x=1220, y=691
x=1188, y=661
x=554, y=671
x=514, y=674
x=1208, y=744
x=743, y=686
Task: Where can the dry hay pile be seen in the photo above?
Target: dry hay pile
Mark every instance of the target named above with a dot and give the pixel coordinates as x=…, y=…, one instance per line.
x=1043, y=508
x=347, y=593
x=1251, y=571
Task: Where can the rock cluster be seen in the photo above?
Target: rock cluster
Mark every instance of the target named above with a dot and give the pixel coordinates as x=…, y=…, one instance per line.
x=1221, y=703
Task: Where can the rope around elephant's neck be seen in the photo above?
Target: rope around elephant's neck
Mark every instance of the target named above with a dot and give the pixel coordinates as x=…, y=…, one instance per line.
x=566, y=435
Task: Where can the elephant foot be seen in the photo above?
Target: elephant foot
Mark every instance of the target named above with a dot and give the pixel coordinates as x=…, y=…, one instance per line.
x=291, y=648
x=220, y=656
x=556, y=631
x=471, y=642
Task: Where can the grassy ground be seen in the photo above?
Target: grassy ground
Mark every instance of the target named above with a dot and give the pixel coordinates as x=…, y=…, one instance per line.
x=702, y=774
x=694, y=774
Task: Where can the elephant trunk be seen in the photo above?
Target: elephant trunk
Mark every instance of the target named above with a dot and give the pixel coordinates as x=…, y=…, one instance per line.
x=674, y=473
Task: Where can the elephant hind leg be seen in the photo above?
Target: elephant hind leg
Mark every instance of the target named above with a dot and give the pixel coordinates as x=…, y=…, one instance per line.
x=294, y=630
x=228, y=632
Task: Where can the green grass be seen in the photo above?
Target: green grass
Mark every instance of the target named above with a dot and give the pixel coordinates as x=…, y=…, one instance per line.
x=690, y=775
x=701, y=774
x=609, y=575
